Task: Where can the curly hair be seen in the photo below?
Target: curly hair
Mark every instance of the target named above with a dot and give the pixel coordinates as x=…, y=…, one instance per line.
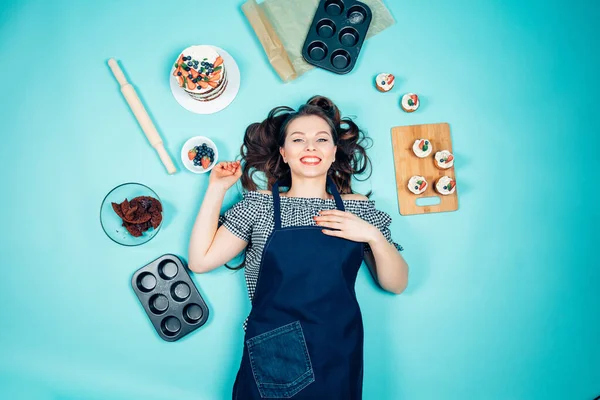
x=262, y=141
x=260, y=150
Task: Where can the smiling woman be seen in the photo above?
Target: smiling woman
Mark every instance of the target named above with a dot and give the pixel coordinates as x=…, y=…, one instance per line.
x=291, y=347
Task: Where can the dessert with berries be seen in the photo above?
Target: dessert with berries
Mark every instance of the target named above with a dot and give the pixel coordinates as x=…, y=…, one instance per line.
x=417, y=184
x=422, y=148
x=409, y=102
x=384, y=82
x=445, y=185
x=444, y=159
x=200, y=71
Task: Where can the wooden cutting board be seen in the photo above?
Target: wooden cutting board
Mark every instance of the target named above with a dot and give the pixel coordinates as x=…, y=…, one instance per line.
x=408, y=164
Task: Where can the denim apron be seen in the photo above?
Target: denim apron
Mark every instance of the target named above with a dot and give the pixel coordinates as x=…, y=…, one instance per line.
x=304, y=335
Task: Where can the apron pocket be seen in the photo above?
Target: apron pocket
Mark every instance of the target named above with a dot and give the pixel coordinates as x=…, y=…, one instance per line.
x=280, y=361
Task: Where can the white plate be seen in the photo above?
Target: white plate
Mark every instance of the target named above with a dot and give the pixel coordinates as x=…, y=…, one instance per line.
x=216, y=105
x=197, y=141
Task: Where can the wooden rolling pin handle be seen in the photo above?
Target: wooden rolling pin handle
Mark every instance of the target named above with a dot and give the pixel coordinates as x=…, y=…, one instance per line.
x=117, y=72
x=164, y=156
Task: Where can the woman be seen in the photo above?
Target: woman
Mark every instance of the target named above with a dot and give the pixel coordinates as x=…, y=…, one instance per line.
x=304, y=335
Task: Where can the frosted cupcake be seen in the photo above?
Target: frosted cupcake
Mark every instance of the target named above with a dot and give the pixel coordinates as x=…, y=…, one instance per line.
x=200, y=72
x=417, y=184
x=445, y=185
x=444, y=159
x=384, y=82
x=422, y=148
x=409, y=102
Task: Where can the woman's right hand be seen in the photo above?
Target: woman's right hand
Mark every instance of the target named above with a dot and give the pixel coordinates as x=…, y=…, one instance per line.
x=225, y=174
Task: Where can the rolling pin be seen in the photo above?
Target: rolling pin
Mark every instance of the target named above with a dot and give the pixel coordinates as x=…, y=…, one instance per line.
x=142, y=116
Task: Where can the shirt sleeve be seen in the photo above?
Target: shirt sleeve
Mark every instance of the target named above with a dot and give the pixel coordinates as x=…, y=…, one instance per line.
x=240, y=218
x=382, y=221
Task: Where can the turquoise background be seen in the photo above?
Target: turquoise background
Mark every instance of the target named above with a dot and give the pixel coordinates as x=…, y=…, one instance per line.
x=503, y=296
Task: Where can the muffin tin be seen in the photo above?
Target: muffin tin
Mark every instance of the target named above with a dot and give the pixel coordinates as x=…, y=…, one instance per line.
x=336, y=35
x=170, y=298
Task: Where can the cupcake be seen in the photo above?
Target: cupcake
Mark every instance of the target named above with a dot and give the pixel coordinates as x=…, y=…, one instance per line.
x=445, y=185
x=444, y=159
x=200, y=72
x=422, y=148
x=417, y=184
x=384, y=82
x=409, y=102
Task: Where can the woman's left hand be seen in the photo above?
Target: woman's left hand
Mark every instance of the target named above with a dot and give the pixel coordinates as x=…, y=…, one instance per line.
x=348, y=225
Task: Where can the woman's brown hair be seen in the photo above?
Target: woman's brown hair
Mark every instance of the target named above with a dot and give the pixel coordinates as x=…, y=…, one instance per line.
x=260, y=150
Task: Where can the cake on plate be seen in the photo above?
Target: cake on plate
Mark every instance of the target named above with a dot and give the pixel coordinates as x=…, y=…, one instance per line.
x=201, y=73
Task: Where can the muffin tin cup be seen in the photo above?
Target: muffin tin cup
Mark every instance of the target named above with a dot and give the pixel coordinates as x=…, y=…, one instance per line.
x=336, y=35
x=169, y=297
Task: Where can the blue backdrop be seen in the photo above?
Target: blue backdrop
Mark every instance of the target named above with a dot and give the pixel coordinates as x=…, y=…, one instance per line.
x=503, y=296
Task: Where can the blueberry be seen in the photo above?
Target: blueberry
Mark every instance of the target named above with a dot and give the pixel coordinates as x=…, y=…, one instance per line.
x=194, y=80
x=203, y=144
x=382, y=83
x=189, y=64
x=179, y=73
x=426, y=142
x=199, y=87
x=445, y=187
x=416, y=187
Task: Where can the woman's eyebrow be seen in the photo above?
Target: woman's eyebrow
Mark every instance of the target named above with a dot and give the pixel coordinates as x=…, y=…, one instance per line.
x=318, y=133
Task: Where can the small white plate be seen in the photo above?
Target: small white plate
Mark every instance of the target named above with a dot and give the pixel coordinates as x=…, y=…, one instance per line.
x=190, y=144
x=216, y=105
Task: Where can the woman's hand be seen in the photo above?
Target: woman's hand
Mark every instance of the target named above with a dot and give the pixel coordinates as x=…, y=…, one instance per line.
x=225, y=174
x=348, y=225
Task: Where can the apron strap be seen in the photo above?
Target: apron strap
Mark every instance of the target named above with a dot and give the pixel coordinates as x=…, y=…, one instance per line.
x=276, y=208
x=277, y=201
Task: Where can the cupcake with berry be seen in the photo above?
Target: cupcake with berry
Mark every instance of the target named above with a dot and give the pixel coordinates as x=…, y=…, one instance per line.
x=384, y=82
x=422, y=148
x=445, y=185
x=417, y=184
x=409, y=102
x=444, y=159
x=200, y=72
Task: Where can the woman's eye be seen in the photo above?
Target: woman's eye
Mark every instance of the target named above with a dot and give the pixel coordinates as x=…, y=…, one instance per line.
x=322, y=139
x=297, y=140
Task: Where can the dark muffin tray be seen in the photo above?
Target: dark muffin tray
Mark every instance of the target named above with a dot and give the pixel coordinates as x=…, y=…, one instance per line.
x=336, y=35
x=169, y=297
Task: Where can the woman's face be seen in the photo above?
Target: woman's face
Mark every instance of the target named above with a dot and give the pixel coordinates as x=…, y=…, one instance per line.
x=308, y=147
